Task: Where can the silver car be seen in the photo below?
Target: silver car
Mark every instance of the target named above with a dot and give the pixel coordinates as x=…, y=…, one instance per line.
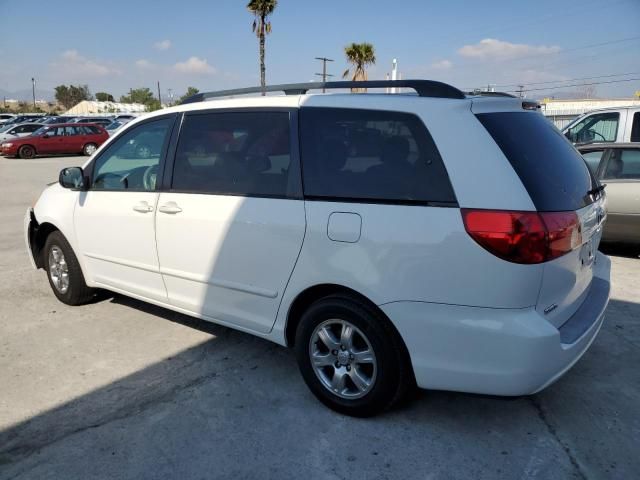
x=618, y=166
x=11, y=132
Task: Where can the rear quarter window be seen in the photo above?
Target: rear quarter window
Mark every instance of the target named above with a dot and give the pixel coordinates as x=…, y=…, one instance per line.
x=550, y=168
x=94, y=130
x=370, y=156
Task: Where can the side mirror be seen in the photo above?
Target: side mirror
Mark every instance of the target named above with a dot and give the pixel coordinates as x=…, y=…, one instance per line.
x=72, y=177
x=570, y=136
x=45, y=135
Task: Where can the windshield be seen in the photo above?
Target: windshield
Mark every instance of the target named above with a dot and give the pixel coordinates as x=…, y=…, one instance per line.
x=113, y=126
x=5, y=128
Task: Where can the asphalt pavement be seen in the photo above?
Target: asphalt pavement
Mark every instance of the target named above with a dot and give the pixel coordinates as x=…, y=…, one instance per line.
x=122, y=389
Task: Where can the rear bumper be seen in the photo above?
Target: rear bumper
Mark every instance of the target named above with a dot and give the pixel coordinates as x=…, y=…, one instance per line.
x=497, y=351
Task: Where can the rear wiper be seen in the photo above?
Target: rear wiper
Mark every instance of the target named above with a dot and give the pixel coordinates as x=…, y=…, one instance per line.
x=597, y=189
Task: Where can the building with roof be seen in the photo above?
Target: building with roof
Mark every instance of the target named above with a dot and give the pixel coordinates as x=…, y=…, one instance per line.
x=93, y=107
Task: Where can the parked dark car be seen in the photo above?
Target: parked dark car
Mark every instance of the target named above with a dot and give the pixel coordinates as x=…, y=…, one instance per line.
x=57, y=139
x=56, y=119
x=104, y=121
x=618, y=166
x=23, y=119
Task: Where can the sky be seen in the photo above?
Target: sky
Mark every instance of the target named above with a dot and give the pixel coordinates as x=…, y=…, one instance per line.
x=117, y=45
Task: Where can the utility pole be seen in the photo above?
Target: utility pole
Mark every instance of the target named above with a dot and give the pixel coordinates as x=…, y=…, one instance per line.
x=521, y=91
x=324, y=73
x=33, y=90
x=159, y=97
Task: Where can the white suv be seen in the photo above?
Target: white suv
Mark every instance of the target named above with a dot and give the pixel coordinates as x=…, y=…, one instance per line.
x=437, y=239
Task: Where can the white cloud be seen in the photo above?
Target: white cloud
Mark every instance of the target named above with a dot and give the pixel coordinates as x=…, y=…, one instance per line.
x=162, y=45
x=195, y=65
x=144, y=63
x=442, y=65
x=72, y=62
x=497, y=49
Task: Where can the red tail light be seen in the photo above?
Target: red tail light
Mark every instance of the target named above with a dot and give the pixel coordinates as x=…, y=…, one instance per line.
x=524, y=237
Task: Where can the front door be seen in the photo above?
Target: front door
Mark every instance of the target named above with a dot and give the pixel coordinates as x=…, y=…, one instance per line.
x=621, y=174
x=114, y=220
x=231, y=226
x=52, y=141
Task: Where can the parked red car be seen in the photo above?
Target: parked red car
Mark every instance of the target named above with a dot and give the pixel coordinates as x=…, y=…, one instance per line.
x=57, y=139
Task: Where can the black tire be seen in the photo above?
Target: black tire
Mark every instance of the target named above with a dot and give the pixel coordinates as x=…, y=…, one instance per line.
x=27, y=151
x=89, y=149
x=394, y=377
x=77, y=292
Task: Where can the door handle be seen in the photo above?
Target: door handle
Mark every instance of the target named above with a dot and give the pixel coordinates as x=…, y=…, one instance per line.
x=170, y=207
x=143, y=207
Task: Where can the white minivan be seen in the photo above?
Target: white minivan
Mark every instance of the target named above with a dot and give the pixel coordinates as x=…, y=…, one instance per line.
x=432, y=239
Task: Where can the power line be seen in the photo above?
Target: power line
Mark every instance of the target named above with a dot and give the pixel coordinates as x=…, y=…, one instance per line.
x=575, y=85
x=573, y=49
x=324, y=73
x=568, y=80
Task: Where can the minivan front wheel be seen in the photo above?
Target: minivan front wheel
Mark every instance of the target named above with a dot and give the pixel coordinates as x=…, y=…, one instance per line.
x=350, y=357
x=63, y=271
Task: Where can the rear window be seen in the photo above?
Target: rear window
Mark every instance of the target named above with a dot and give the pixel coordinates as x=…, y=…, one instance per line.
x=551, y=169
x=623, y=164
x=93, y=130
x=235, y=153
x=370, y=156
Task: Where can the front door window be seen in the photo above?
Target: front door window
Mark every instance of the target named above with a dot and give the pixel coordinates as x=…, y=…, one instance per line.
x=131, y=162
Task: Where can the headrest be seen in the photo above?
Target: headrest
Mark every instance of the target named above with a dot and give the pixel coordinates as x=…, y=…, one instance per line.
x=334, y=154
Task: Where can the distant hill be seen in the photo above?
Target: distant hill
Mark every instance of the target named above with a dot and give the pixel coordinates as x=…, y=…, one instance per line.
x=27, y=95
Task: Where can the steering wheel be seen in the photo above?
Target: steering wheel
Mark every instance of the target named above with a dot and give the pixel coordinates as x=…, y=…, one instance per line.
x=149, y=177
x=594, y=133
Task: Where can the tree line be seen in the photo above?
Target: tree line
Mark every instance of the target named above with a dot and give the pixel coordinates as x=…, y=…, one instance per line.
x=70, y=95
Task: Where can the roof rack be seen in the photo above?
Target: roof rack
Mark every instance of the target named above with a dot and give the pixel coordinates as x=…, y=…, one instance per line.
x=483, y=93
x=424, y=88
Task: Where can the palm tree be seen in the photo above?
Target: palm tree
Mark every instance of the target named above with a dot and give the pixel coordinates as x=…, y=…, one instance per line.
x=261, y=9
x=360, y=55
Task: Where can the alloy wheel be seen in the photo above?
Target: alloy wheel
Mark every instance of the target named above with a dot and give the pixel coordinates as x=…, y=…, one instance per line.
x=343, y=359
x=58, y=269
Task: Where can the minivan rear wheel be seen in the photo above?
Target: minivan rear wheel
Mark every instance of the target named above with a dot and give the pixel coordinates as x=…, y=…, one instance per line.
x=63, y=271
x=27, y=151
x=350, y=357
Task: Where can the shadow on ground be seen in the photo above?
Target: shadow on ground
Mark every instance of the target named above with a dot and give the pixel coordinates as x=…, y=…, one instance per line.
x=620, y=250
x=235, y=405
